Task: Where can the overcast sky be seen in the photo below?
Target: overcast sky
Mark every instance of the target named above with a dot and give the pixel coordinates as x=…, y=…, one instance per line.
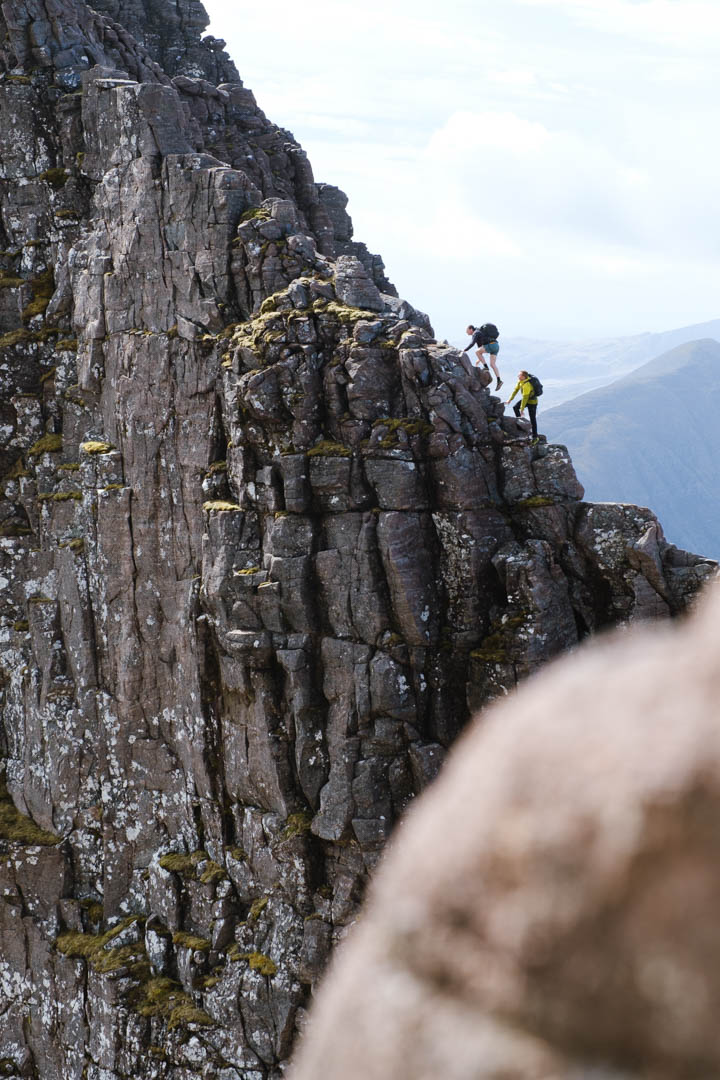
x=550, y=165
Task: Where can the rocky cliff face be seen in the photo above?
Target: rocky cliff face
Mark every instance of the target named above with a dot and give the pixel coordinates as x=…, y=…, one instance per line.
x=264, y=547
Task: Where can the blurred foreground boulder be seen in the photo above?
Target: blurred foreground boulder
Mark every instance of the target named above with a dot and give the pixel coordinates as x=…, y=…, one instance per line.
x=550, y=908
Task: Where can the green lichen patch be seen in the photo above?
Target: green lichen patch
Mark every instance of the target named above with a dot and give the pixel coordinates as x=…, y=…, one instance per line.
x=261, y=963
x=59, y=496
x=496, y=648
x=297, y=825
x=535, y=500
x=93, y=908
x=96, y=446
x=43, y=285
x=238, y=854
x=47, y=375
x=113, y=487
x=36, y=307
x=257, y=907
x=57, y=178
x=256, y=213
x=212, y=873
x=165, y=998
x=50, y=443
x=124, y=956
x=179, y=863
x=217, y=467
x=19, y=829
x=13, y=529
x=94, y=948
x=191, y=941
x=266, y=327
x=327, y=448
x=18, y=80
x=7, y=281
x=15, y=337
x=247, y=571
x=219, y=505
x=269, y=304
x=228, y=331
x=411, y=426
x=342, y=312
x=188, y=1013
x=66, y=344
x=70, y=466
x=21, y=626
x=77, y=545
x=64, y=215
x=16, y=471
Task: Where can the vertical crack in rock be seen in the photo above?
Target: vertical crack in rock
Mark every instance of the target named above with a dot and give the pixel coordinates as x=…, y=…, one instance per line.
x=265, y=545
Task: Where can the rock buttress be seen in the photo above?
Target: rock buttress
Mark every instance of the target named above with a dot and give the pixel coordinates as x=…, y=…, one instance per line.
x=264, y=547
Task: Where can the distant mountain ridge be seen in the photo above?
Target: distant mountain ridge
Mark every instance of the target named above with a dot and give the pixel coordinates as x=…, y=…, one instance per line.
x=643, y=440
x=570, y=368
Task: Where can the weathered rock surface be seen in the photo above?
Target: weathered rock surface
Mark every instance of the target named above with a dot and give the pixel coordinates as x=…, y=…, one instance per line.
x=550, y=908
x=264, y=547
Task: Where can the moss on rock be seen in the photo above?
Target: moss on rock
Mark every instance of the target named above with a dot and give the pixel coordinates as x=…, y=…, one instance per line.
x=261, y=963
x=327, y=448
x=96, y=446
x=57, y=178
x=50, y=443
x=15, y=337
x=191, y=941
x=219, y=505
x=16, y=827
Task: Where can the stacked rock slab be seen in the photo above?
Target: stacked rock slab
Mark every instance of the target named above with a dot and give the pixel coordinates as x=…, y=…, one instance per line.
x=264, y=547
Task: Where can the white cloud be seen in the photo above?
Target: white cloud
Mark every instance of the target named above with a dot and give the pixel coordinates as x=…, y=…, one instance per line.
x=515, y=78
x=519, y=174
x=467, y=133
x=680, y=24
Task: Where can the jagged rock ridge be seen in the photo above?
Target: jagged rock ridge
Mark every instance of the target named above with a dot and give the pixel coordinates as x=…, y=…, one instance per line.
x=264, y=544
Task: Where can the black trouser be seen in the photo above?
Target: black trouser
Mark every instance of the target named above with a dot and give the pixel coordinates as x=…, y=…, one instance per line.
x=532, y=413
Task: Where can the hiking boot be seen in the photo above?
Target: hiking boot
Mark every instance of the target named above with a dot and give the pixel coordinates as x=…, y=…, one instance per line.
x=499, y=383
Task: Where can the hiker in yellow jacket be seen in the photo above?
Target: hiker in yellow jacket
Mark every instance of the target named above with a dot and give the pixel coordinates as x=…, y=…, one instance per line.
x=527, y=401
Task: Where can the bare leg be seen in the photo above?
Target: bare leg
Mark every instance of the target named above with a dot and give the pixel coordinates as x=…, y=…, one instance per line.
x=485, y=356
x=481, y=357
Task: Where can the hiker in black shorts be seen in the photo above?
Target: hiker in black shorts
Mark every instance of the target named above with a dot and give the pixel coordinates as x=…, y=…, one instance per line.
x=486, y=339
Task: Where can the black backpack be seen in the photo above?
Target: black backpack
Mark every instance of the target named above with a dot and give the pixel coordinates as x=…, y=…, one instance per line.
x=489, y=332
x=536, y=385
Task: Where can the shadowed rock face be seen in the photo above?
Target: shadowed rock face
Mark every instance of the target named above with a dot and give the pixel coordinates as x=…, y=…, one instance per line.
x=550, y=909
x=264, y=547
